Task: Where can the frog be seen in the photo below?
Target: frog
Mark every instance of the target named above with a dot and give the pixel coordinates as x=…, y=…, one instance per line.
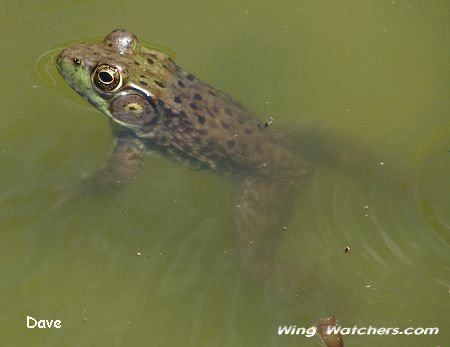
x=153, y=105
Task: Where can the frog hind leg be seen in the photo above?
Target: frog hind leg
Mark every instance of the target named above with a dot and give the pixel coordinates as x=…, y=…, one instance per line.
x=261, y=205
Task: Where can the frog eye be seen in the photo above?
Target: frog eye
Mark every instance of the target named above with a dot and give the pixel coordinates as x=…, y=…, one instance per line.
x=107, y=78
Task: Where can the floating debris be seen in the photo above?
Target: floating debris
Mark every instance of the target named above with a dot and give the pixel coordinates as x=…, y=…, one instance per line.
x=266, y=124
x=331, y=340
x=347, y=249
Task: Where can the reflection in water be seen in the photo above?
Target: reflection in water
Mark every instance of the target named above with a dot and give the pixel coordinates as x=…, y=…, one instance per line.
x=45, y=67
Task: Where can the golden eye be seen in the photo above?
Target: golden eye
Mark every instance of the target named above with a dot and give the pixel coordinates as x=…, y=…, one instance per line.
x=107, y=78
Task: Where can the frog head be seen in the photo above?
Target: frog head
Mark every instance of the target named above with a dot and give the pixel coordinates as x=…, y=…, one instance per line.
x=118, y=76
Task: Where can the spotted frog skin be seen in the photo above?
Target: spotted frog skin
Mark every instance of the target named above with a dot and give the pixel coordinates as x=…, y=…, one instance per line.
x=151, y=99
x=154, y=105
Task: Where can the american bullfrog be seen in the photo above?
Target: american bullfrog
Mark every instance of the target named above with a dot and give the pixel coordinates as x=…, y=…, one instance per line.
x=158, y=106
x=154, y=105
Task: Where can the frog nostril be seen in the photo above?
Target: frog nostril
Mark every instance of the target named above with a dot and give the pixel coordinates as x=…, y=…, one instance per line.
x=76, y=61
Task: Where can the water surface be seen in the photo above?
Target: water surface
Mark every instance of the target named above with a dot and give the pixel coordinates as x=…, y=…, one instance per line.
x=157, y=263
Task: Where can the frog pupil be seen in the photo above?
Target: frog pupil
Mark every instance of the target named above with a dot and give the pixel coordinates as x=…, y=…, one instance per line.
x=105, y=77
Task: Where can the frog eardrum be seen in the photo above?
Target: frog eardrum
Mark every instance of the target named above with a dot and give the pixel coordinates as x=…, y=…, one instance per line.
x=107, y=78
x=133, y=109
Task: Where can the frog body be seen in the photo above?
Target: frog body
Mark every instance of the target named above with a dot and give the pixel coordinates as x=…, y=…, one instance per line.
x=150, y=98
x=154, y=105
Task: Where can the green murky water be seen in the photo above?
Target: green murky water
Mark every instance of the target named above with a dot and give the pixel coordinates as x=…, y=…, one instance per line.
x=156, y=264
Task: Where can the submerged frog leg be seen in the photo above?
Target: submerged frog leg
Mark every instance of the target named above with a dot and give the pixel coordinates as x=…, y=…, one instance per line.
x=123, y=163
x=261, y=204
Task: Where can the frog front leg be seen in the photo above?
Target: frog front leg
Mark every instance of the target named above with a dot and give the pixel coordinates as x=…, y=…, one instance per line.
x=123, y=163
x=120, y=168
